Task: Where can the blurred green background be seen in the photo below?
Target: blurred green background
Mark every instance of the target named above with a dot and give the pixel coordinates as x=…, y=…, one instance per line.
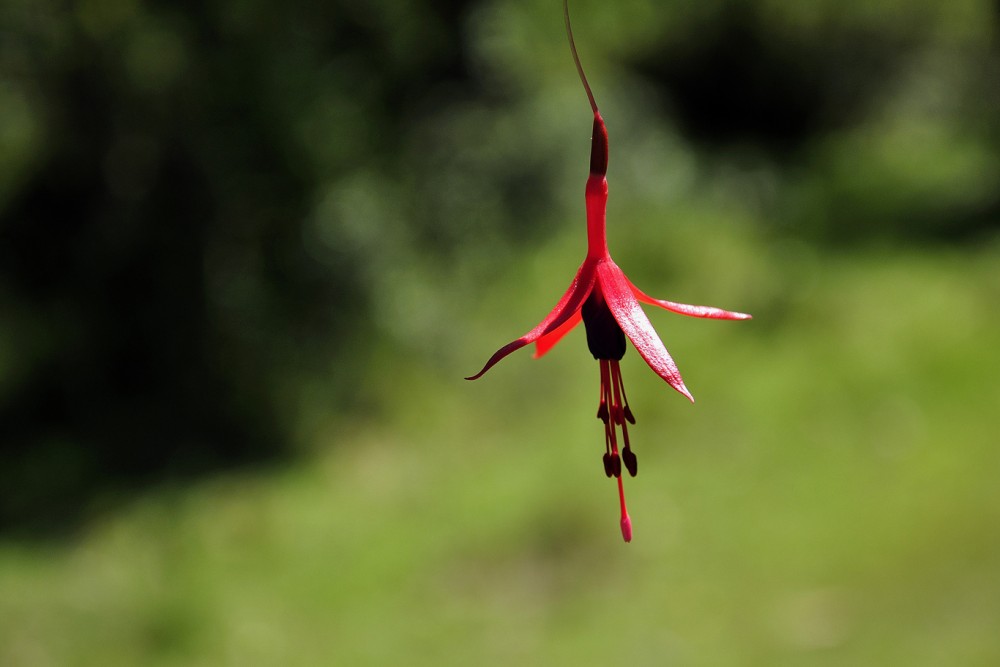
x=249, y=249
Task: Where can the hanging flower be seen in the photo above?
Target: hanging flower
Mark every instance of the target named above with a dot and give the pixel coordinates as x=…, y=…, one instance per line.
x=608, y=303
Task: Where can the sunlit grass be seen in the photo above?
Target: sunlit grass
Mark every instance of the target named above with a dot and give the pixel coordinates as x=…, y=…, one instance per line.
x=830, y=499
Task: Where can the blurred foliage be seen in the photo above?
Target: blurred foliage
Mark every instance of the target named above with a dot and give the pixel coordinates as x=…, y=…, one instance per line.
x=245, y=232
x=831, y=499
x=259, y=232
x=172, y=258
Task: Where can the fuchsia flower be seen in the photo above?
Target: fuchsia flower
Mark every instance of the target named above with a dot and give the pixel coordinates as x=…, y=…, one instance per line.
x=608, y=303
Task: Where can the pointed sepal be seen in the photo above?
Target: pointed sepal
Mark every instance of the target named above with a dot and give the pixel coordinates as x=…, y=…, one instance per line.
x=708, y=312
x=633, y=321
x=568, y=306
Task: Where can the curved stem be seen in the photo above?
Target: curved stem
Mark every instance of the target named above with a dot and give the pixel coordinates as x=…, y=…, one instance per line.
x=576, y=57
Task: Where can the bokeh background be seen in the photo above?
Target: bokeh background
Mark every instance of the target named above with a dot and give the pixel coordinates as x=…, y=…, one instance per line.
x=249, y=249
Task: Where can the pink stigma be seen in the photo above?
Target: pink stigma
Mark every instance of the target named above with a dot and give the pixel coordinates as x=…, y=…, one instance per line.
x=626, y=521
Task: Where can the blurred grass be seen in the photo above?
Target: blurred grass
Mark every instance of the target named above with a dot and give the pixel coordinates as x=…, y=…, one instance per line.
x=830, y=499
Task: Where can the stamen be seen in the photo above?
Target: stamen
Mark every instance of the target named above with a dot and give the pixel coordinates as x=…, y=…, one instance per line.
x=602, y=408
x=616, y=403
x=631, y=464
x=613, y=414
x=621, y=386
x=628, y=415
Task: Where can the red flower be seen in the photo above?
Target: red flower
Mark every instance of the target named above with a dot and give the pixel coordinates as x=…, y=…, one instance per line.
x=608, y=303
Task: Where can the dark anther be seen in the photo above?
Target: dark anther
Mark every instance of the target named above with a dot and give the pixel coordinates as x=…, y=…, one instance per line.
x=628, y=415
x=608, y=466
x=616, y=465
x=602, y=412
x=630, y=461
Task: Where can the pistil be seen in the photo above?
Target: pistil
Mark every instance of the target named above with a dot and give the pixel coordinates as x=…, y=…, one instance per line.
x=607, y=343
x=614, y=413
